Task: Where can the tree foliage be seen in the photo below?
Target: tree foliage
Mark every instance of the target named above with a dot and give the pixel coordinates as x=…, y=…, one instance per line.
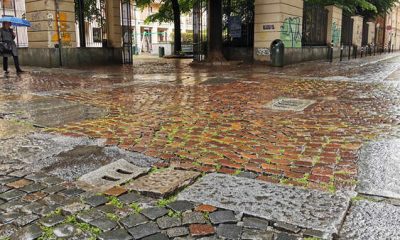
x=165, y=14
x=92, y=10
x=368, y=8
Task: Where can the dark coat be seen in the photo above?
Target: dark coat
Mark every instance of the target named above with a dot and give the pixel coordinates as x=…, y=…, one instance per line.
x=6, y=35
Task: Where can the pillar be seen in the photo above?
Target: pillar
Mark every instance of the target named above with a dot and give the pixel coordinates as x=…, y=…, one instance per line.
x=114, y=31
x=277, y=20
x=371, y=33
x=334, y=25
x=45, y=27
x=357, y=30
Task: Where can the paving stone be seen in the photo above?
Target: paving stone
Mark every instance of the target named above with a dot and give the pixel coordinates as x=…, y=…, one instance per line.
x=30, y=232
x=108, y=176
x=104, y=224
x=25, y=219
x=372, y=220
x=19, y=183
x=271, y=202
x=199, y=230
x=9, y=217
x=287, y=227
x=315, y=234
x=13, y=205
x=286, y=236
x=75, y=207
x=36, y=176
x=54, y=189
x=133, y=220
x=33, y=188
x=229, y=231
x=107, y=208
x=144, y=230
x=90, y=215
x=115, y=191
x=192, y=218
x=51, y=180
x=72, y=192
x=250, y=175
x=255, y=223
x=157, y=236
x=163, y=183
x=177, y=232
x=130, y=198
x=34, y=196
x=96, y=201
x=52, y=220
x=168, y=222
x=12, y=194
x=154, y=212
x=19, y=173
x=4, y=188
x=119, y=234
x=205, y=208
x=7, y=179
x=12, y=129
x=251, y=234
x=181, y=206
x=7, y=230
x=219, y=217
x=379, y=169
x=66, y=231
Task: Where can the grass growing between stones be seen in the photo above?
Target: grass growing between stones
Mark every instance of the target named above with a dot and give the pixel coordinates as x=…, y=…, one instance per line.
x=136, y=207
x=114, y=201
x=164, y=202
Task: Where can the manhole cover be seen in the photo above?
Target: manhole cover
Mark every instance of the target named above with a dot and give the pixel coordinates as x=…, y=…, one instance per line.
x=111, y=175
x=290, y=104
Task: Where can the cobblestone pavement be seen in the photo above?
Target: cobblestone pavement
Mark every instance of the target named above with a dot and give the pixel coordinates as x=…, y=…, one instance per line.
x=151, y=130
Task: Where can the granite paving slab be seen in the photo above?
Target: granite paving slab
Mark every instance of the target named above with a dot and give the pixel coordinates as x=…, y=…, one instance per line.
x=163, y=183
x=371, y=220
x=51, y=112
x=111, y=175
x=11, y=129
x=379, y=167
x=309, y=209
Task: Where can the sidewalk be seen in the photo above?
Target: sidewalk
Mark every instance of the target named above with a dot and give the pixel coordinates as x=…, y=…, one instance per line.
x=240, y=152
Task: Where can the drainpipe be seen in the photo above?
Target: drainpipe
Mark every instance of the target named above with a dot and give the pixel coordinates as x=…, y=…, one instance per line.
x=59, y=32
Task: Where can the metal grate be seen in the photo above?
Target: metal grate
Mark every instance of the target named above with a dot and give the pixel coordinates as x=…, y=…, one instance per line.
x=290, y=104
x=315, y=23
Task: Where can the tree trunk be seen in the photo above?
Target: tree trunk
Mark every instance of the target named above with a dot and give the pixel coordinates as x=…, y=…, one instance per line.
x=215, y=31
x=177, y=25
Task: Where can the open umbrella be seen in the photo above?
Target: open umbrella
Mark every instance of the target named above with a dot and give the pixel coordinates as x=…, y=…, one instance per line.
x=15, y=21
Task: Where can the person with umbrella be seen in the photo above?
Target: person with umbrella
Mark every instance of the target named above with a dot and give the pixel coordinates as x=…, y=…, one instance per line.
x=7, y=36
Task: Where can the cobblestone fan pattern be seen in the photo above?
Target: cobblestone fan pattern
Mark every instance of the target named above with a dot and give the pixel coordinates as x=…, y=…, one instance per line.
x=32, y=207
x=310, y=209
x=224, y=126
x=372, y=220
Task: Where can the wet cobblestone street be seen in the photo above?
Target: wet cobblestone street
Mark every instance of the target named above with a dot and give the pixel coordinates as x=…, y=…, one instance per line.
x=299, y=127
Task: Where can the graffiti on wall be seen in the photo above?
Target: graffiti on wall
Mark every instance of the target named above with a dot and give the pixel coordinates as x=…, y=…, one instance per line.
x=263, y=52
x=336, y=34
x=65, y=36
x=291, y=32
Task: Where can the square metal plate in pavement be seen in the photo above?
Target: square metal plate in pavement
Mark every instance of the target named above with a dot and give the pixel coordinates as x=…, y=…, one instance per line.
x=290, y=104
x=111, y=175
x=163, y=183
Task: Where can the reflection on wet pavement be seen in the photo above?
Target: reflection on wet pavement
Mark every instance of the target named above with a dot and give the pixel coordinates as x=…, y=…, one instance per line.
x=209, y=120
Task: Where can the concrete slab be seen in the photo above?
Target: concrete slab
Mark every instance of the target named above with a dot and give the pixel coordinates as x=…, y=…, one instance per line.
x=110, y=175
x=371, y=220
x=379, y=167
x=162, y=183
x=290, y=104
x=308, y=209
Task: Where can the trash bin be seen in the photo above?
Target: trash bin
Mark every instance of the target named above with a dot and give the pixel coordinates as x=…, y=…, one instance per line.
x=277, y=53
x=161, y=52
x=134, y=50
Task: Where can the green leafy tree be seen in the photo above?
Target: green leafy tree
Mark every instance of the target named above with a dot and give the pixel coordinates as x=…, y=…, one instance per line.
x=170, y=11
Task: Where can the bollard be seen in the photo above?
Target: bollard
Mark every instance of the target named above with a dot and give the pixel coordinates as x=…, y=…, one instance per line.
x=341, y=53
x=355, y=52
x=331, y=57
x=349, y=55
x=362, y=51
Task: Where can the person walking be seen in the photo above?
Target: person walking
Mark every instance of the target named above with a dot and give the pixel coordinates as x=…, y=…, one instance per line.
x=7, y=35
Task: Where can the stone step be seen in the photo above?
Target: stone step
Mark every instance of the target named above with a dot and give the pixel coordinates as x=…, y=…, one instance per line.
x=308, y=209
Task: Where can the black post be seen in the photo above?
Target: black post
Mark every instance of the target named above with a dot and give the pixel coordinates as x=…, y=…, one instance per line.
x=362, y=51
x=81, y=21
x=341, y=53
